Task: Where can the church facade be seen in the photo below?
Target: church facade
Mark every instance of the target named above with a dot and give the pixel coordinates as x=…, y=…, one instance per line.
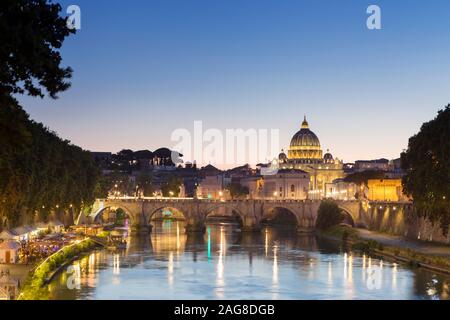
x=305, y=153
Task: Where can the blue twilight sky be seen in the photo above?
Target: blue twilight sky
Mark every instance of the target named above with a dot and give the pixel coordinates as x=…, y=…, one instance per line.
x=145, y=68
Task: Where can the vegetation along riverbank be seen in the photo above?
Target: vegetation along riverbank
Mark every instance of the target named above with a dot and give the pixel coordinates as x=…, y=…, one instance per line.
x=35, y=287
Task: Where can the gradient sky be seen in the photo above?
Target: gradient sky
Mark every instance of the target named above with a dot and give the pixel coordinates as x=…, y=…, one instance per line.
x=145, y=68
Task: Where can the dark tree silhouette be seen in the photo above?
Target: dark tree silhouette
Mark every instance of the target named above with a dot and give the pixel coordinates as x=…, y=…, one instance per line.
x=328, y=215
x=31, y=34
x=427, y=167
x=237, y=190
x=40, y=173
x=363, y=177
x=172, y=187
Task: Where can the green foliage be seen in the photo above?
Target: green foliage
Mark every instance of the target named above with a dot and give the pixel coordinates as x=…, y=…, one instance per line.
x=328, y=215
x=173, y=184
x=342, y=232
x=121, y=216
x=117, y=181
x=427, y=166
x=103, y=186
x=144, y=184
x=237, y=190
x=34, y=288
x=41, y=171
x=103, y=234
x=360, y=178
x=31, y=34
x=369, y=246
x=38, y=170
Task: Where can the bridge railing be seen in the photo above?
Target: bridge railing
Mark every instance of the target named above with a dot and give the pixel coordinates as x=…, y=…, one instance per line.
x=174, y=199
x=268, y=200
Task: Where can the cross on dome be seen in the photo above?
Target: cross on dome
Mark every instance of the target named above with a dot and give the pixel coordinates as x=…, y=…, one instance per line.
x=305, y=124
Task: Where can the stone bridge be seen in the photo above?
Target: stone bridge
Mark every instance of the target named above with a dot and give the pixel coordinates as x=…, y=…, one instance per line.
x=250, y=212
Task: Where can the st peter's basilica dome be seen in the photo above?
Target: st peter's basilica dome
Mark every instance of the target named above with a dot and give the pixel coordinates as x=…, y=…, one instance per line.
x=305, y=144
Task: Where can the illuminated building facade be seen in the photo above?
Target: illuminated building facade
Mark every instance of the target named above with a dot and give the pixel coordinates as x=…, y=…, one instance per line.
x=342, y=190
x=385, y=190
x=286, y=184
x=213, y=187
x=305, y=153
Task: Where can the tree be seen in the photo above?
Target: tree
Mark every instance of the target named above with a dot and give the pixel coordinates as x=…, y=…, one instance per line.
x=144, y=184
x=362, y=177
x=237, y=190
x=172, y=187
x=328, y=215
x=40, y=173
x=427, y=166
x=31, y=34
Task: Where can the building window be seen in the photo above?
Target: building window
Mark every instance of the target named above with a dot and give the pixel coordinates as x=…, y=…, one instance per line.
x=292, y=188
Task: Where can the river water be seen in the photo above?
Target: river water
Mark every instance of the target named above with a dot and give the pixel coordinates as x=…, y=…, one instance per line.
x=227, y=264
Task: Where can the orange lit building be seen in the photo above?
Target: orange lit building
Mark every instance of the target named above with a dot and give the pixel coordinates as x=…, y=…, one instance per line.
x=385, y=190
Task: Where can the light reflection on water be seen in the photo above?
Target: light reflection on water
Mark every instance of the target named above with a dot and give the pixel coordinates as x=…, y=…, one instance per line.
x=226, y=264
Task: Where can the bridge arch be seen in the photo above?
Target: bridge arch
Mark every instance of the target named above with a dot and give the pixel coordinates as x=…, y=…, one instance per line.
x=279, y=211
x=235, y=212
x=348, y=218
x=351, y=210
x=94, y=216
x=180, y=213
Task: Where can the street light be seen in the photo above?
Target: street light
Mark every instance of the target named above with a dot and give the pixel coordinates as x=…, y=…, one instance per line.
x=171, y=193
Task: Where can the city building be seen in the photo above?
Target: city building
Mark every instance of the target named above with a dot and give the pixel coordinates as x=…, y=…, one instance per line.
x=255, y=186
x=342, y=190
x=9, y=252
x=287, y=184
x=385, y=190
x=212, y=187
x=366, y=165
x=305, y=153
x=395, y=169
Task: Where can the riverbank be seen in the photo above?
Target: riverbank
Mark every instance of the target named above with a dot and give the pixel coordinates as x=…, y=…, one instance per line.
x=34, y=288
x=431, y=256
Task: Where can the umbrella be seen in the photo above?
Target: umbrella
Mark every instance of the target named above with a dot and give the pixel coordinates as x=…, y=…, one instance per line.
x=7, y=235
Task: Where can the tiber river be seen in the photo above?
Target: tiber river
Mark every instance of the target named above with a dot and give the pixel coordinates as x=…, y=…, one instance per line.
x=226, y=264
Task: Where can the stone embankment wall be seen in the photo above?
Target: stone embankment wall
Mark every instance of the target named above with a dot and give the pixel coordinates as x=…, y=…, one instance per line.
x=402, y=221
